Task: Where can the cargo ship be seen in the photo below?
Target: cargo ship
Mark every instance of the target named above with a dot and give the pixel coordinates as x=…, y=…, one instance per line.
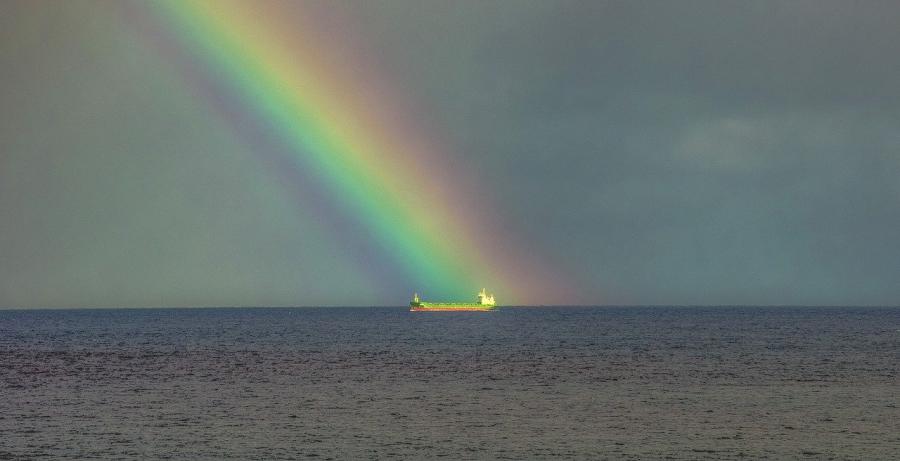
x=484, y=302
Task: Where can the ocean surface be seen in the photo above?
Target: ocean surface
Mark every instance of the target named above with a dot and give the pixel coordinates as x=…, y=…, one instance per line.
x=519, y=383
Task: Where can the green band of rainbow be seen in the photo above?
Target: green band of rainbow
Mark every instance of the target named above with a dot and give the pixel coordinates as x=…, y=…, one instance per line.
x=385, y=175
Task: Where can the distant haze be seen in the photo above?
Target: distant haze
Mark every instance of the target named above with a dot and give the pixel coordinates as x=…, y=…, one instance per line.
x=654, y=152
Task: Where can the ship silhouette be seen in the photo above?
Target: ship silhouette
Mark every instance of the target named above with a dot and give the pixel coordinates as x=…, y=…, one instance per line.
x=483, y=302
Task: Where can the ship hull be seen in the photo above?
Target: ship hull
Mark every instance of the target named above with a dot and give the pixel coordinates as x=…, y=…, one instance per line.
x=427, y=307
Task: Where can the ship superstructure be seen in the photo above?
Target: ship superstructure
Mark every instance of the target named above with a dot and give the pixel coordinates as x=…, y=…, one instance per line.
x=484, y=302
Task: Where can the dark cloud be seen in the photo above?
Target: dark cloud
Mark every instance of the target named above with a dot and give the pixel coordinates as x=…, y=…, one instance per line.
x=686, y=152
x=690, y=152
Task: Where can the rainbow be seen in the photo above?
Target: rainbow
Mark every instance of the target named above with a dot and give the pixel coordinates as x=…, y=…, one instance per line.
x=377, y=164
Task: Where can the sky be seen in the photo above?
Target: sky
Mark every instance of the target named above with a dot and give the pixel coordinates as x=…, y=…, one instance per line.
x=349, y=152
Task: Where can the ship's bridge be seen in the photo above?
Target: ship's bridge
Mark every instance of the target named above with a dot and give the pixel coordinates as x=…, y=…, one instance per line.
x=485, y=299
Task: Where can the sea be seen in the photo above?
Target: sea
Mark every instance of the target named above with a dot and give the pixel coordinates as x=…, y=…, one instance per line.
x=384, y=383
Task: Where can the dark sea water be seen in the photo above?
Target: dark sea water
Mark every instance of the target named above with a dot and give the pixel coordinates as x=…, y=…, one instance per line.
x=519, y=383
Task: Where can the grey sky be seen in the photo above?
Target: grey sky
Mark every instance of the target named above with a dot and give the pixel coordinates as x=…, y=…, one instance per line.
x=680, y=152
x=670, y=152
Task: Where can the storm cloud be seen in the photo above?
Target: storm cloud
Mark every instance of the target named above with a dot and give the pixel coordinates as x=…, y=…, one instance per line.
x=680, y=152
x=691, y=152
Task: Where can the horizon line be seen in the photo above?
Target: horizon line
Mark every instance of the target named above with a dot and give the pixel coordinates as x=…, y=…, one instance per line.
x=393, y=306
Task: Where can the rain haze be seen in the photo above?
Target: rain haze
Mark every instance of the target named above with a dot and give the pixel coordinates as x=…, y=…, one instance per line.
x=647, y=152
